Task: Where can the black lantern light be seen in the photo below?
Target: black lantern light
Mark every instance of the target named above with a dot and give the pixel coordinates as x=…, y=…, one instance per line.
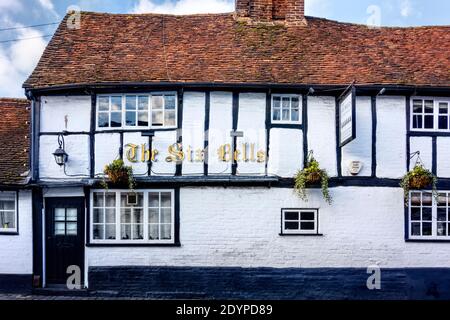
x=60, y=155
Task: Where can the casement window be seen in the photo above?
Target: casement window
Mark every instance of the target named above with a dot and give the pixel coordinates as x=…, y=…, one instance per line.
x=430, y=114
x=299, y=222
x=8, y=212
x=137, y=111
x=429, y=216
x=144, y=216
x=286, y=109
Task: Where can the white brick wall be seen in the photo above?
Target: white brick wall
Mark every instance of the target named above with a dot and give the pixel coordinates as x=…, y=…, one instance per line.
x=16, y=256
x=240, y=227
x=424, y=145
x=391, y=131
x=76, y=146
x=322, y=132
x=55, y=110
x=285, y=152
x=360, y=149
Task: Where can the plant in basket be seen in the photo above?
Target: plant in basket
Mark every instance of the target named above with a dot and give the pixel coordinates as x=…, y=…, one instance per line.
x=418, y=178
x=119, y=175
x=312, y=175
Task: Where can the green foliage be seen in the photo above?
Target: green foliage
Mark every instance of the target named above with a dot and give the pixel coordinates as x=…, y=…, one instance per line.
x=312, y=174
x=416, y=179
x=119, y=175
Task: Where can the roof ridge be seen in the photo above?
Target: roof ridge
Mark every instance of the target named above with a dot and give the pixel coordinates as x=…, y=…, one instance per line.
x=6, y=99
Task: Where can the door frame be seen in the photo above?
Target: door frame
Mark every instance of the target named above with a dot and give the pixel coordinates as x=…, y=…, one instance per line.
x=63, y=201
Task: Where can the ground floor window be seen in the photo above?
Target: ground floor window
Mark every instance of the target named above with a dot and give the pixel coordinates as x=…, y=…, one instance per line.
x=8, y=212
x=143, y=216
x=299, y=221
x=429, y=216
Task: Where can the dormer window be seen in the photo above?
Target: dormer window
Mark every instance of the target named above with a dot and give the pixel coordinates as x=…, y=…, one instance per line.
x=430, y=114
x=158, y=110
x=286, y=109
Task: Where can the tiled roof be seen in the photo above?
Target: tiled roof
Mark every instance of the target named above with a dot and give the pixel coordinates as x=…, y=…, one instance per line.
x=14, y=141
x=217, y=48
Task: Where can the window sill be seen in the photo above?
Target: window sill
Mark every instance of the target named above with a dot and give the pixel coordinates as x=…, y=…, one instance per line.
x=6, y=233
x=301, y=235
x=427, y=240
x=93, y=245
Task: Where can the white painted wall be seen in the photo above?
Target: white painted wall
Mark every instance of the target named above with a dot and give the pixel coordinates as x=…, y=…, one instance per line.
x=240, y=227
x=285, y=152
x=16, y=254
x=193, y=130
x=360, y=149
x=76, y=146
x=425, y=146
x=161, y=142
x=54, y=110
x=220, y=126
x=322, y=132
x=136, y=138
x=443, y=157
x=391, y=137
x=107, y=147
x=252, y=121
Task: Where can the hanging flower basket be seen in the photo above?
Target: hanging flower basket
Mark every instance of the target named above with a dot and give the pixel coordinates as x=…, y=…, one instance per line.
x=119, y=175
x=312, y=175
x=418, y=179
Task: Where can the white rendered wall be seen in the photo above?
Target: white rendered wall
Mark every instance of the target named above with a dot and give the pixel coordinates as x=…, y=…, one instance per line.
x=220, y=126
x=285, y=152
x=193, y=130
x=360, y=149
x=56, y=109
x=16, y=254
x=136, y=138
x=252, y=122
x=443, y=157
x=240, y=227
x=76, y=146
x=107, y=147
x=322, y=132
x=391, y=137
x=425, y=146
x=161, y=142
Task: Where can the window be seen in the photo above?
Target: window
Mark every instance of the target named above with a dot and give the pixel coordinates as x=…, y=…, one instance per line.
x=66, y=222
x=429, y=216
x=8, y=212
x=286, y=109
x=430, y=115
x=132, y=217
x=137, y=111
x=299, y=221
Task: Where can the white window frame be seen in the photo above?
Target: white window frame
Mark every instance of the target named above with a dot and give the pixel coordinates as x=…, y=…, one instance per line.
x=124, y=125
x=118, y=223
x=300, y=109
x=285, y=231
x=16, y=216
x=436, y=102
x=434, y=221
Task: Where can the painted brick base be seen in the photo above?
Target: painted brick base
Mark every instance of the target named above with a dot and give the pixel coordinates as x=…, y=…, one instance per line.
x=15, y=283
x=267, y=283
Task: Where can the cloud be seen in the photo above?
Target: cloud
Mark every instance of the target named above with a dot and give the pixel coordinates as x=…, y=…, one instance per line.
x=406, y=8
x=18, y=61
x=184, y=6
x=48, y=5
x=317, y=8
x=10, y=5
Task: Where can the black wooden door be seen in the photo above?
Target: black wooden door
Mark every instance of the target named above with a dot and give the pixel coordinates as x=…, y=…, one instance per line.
x=64, y=233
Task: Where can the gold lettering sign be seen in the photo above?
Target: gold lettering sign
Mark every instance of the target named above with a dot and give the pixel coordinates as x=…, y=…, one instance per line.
x=175, y=153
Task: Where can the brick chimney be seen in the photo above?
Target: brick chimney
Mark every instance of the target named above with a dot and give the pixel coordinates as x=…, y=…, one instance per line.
x=288, y=11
